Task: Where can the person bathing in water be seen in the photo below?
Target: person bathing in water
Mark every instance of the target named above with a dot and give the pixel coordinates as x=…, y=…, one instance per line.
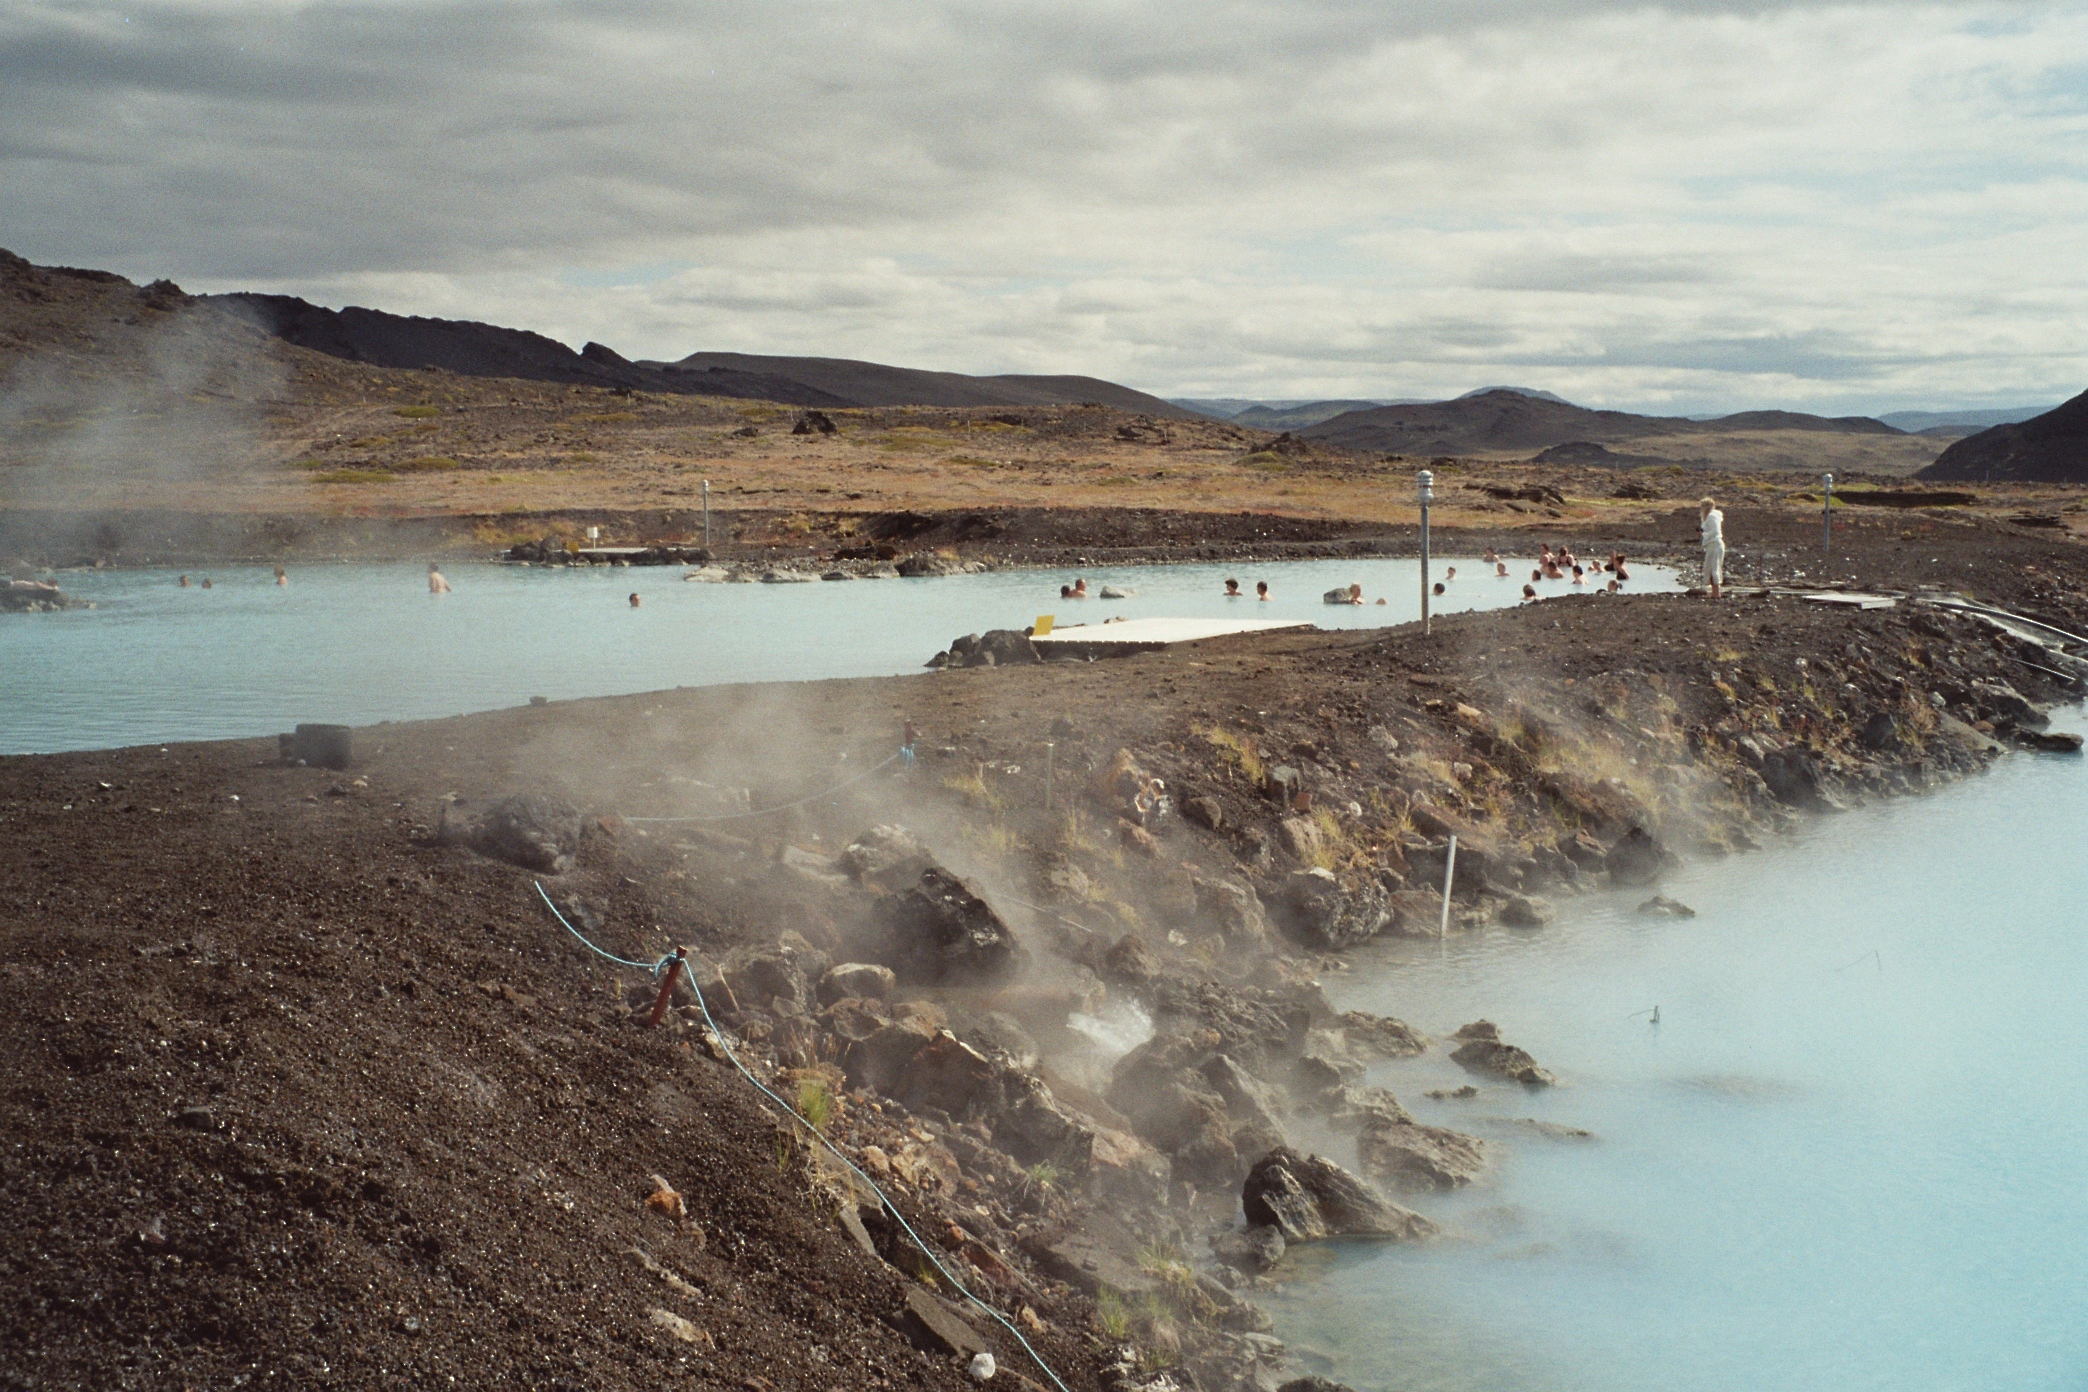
x=282, y=576
x=1232, y=588
x=1500, y=570
x=1711, y=528
x=1261, y=589
x=437, y=584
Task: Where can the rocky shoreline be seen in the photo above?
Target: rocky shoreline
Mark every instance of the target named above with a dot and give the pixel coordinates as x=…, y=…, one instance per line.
x=315, y=1083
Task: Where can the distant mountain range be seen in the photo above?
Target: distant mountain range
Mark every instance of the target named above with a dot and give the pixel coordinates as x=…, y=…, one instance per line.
x=1960, y=422
x=1505, y=419
x=2051, y=448
x=1298, y=414
x=485, y=350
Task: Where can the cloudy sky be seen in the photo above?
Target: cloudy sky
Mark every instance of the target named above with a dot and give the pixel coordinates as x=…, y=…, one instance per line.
x=1682, y=206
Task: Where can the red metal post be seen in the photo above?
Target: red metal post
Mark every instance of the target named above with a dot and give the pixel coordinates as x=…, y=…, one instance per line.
x=674, y=966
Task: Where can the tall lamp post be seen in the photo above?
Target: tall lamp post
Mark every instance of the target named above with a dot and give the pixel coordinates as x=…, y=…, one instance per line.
x=1826, y=516
x=706, y=514
x=1425, y=483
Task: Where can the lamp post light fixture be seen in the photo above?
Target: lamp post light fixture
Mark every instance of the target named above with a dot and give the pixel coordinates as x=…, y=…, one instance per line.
x=1425, y=486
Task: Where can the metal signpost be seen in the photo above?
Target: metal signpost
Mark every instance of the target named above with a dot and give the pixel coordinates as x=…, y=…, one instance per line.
x=706, y=514
x=1426, y=482
x=1826, y=516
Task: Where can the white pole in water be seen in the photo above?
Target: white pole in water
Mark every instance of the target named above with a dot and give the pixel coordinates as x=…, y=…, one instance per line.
x=706, y=514
x=1449, y=874
x=1826, y=516
x=1425, y=482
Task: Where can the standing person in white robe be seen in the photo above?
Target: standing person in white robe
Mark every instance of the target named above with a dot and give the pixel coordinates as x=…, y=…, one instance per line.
x=1711, y=528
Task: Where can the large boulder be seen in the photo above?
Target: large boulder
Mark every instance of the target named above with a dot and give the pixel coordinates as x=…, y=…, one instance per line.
x=1324, y=912
x=1484, y=1051
x=1307, y=1197
x=887, y=855
x=949, y=1075
x=878, y=1060
x=1233, y=909
x=940, y=932
x=865, y=980
x=1408, y=1156
x=533, y=832
x=1247, y=1098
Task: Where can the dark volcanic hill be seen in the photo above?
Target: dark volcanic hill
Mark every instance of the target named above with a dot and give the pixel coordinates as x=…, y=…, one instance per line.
x=1511, y=420
x=2051, y=448
x=486, y=350
x=855, y=383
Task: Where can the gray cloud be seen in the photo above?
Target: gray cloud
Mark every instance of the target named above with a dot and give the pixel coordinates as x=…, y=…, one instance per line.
x=1283, y=198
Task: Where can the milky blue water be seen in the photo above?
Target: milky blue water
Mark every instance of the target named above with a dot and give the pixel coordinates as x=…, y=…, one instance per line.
x=360, y=643
x=1853, y=1154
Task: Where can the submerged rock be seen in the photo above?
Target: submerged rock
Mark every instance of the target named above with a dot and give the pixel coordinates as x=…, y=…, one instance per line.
x=1409, y=1156
x=1307, y=1197
x=1253, y=1250
x=1527, y=911
x=1660, y=906
x=1484, y=1051
x=1381, y=1035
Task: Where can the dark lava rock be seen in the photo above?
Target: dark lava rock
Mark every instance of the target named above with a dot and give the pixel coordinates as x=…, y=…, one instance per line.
x=1637, y=858
x=1660, y=906
x=1306, y=1197
x=1322, y=912
x=1205, y=812
x=532, y=832
x=1880, y=733
x=2049, y=741
x=880, y=1059
x=1484, y=1051
x=1412, y=1157
x=1315, y=1383
x=940, y=932
x=813, y=423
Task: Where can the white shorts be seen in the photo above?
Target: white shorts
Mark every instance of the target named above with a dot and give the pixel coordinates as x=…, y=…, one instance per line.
x=1714, y=564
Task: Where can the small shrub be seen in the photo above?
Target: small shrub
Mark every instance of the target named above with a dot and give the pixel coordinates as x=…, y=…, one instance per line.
x=426, y=464
x=1237, y=750
x=1043, y=1175
x=1113, y=1315
x=815, y=1103
x=416, y=412
x=355, y=476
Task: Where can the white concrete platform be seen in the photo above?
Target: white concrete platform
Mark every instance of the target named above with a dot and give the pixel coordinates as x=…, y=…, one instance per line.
x=1147, y=634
